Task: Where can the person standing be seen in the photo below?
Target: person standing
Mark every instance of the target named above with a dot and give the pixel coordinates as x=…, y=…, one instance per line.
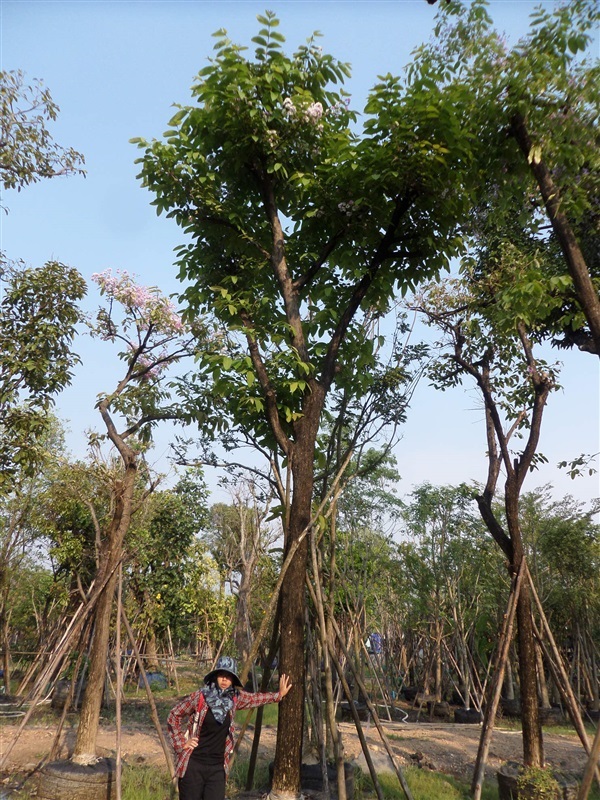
x=201, y=729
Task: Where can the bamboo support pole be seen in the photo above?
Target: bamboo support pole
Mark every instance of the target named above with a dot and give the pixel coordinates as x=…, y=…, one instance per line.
x=564, y=684
x=374, y=668
x=153, y=711
x=73, y=629
x=591, y=768
x=348, y=693
x=375, y=716
x=173, y=661
x=338, y=747
x=496, y=685
x=54, y=750
x=273, y=645
x=119, y=682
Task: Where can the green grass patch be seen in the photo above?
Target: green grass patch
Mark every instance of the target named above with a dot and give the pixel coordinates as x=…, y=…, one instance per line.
x=423, y=784
x=426, y=785
x=146, y=783
x=270, y=715
x=239, y=773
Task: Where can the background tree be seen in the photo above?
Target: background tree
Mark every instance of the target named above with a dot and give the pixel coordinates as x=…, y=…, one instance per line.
x=158, y=548
x=497, y=354
x=209, y=611
x=28, y=152
x=436, y=519
x=38, y=307
x=240, y=536
x=534, y=108
x=39, y=315
x=20, y=537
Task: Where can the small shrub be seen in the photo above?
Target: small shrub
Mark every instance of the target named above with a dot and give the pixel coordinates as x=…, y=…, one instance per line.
x=538, y=782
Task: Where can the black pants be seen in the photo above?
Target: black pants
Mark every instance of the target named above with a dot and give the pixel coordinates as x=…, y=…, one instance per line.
x=202, y=782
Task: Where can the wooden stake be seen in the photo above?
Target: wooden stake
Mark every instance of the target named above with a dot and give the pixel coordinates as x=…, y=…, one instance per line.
x=564, y=684
x=338, y=747
x=591, y=768
x=153, y=711
x=119, y=682
x=496, y=685
x=375, y=716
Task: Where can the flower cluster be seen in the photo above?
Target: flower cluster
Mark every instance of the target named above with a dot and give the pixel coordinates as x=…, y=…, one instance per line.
x=289, y=109
x=346, y=208
x=313, y=113
x=148, y=305
x=337, y=109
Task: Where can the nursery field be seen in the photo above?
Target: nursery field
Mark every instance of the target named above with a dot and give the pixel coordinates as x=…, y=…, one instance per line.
x=439, y=747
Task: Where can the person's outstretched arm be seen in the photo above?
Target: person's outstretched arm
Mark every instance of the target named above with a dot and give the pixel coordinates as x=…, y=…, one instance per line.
x=254, y=699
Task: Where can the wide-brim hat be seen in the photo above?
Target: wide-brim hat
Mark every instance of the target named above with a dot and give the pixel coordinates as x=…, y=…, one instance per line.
x=225, y=664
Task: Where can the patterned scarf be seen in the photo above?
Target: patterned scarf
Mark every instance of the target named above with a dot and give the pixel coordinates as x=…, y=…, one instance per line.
x=219, y=701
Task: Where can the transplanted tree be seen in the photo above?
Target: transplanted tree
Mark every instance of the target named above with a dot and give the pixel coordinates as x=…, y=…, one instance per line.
x=299, y=227
x=153, y=338
x=497, y=355
x=240, y=536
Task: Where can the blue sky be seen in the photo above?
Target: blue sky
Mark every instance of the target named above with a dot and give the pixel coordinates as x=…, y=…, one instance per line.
x=115, y=68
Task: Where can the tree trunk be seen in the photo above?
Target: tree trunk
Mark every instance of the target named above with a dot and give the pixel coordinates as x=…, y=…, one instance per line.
x=5, y=629
x=241, y=633
x=578, y=269
x=543, y=684
x=84, y=751
x=151, y=651
x=509, y=684
x=288, y=750
x=533, y=748
x=438, y=660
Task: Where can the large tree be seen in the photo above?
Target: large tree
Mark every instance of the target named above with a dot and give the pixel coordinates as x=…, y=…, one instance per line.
x=498, y=355
x=299, y=229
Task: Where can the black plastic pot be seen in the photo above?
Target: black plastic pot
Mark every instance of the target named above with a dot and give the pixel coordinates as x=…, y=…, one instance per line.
x=510, y=708
x=438, y=710
x=410, y=693
x=311, y=778
x=467, y=716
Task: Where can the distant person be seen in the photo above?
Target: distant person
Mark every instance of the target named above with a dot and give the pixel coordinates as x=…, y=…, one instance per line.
x=201, y=729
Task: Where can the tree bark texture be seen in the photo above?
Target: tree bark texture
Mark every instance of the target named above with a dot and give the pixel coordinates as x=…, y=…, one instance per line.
x=533, y=748
x=288, y=751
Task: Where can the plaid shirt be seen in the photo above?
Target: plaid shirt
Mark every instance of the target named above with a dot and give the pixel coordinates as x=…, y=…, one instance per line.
x=188, y=715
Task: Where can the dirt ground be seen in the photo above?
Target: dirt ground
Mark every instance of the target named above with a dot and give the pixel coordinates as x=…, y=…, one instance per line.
x=448, y=747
